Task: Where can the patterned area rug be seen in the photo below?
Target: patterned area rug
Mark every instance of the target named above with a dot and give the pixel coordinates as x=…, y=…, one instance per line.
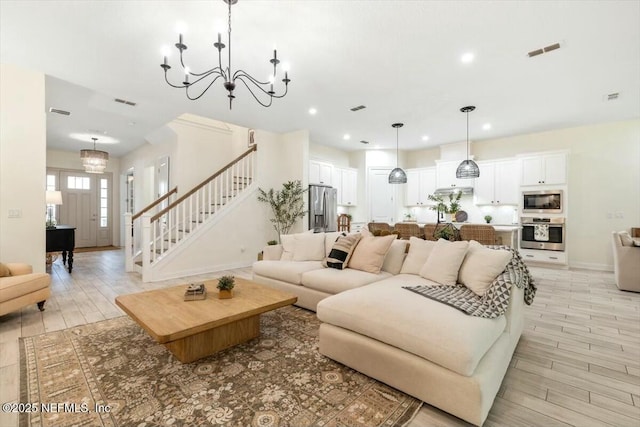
x=112, y=373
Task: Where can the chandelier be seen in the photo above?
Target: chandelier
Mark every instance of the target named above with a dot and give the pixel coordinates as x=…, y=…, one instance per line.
x=467, y=168
x=397, y=175
x=263, y=92
x=94, y=161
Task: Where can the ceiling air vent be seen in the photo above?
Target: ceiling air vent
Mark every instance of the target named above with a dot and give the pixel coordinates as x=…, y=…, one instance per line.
x=364, y=142
x=358, y=108
x=57, y=111
x=612, y=96
x=124, y=101
x=542, y=50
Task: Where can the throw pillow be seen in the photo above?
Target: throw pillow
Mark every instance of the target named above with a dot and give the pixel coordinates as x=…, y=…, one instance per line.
x=341, y=251
x=330, y=239
x=309, y=247
x=419, y=251
x=625, y=238
x=481, y=266
x=288, y=246
x=370, y=252
x=444, y=262
x=394, y=258
x=4, y=270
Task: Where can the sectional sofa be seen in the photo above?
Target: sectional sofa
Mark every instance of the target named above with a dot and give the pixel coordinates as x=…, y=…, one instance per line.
x=371, y=323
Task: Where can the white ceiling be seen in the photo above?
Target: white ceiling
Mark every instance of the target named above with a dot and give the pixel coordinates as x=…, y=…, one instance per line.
x=399, y=58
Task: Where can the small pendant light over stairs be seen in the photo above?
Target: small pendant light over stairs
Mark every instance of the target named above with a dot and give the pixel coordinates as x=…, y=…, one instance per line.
x=397, y=176
x=468, y=168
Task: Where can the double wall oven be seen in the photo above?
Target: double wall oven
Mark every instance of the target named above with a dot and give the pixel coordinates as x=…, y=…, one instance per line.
x=543, y=233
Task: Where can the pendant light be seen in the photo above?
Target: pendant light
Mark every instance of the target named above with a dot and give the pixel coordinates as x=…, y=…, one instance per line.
x=397, y=176
x=94, y=161
x=468, y=168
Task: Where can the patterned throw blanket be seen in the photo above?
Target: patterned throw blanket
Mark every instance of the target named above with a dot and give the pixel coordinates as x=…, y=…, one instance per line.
x=495, y=301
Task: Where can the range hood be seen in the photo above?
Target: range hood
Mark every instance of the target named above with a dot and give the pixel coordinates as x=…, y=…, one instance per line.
x=452, y=190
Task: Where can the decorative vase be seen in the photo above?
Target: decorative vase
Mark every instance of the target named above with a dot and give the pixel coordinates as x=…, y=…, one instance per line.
x=448, y=217
x=225, y=294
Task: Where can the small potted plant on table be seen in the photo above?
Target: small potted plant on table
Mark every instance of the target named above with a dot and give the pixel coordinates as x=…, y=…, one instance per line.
x=225, y=286
x=488, y=218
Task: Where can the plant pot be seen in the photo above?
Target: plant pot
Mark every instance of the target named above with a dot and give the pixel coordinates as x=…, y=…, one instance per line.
x=225, y=293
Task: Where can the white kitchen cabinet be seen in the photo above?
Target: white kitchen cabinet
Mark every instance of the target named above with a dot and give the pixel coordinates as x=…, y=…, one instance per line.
x=498, y=183
x=544, y=169
x=551, y=257
x=320, y=173
x=446, y=176
x=420, y=183
x=346, y=181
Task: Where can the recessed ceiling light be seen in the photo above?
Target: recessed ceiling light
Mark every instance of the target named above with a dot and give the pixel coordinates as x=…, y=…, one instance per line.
x=346, y=137
x=486, y=126
x=312, y=111
x=467, y=57
x=425, y=137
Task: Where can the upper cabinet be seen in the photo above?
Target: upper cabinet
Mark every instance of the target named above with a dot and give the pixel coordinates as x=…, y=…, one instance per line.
x=498, y=183
x=544, y=169
x=420, y=183
x=320, y=173
x=446, y=176
x=346, y=181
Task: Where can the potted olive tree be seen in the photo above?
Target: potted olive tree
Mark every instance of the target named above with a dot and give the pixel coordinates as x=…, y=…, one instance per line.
x=450, y=209
x=287, y=205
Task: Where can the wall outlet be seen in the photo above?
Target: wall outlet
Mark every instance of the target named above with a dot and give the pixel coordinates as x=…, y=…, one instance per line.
x=15, y=213
x=619, y=215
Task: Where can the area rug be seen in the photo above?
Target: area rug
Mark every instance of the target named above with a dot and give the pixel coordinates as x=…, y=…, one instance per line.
x=112, y=373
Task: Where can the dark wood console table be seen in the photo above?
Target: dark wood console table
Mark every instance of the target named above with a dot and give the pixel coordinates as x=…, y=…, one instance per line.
x=62, y=238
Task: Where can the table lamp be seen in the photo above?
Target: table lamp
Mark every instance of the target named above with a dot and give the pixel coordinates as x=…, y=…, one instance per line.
x=52, y=198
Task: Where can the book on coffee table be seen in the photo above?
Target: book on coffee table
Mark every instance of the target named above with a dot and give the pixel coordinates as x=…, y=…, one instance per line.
x=195, y=291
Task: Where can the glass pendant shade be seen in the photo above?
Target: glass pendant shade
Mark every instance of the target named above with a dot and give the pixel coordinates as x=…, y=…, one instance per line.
x=94, y=161
x=397, y=175
x=468, y=169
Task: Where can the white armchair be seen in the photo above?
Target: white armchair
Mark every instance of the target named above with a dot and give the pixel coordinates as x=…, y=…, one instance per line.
x=626, y=262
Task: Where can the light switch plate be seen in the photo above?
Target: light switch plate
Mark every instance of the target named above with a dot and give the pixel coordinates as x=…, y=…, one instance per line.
x=15, y=213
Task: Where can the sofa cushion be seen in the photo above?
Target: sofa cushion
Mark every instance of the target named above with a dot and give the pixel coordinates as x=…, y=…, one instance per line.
x=395, y=257
x=625, y=238
x=444, y=262
x=309, y=247
x=334, y=281
x=421, y=326
x=419, y=251
x=4, y=270
x=481, y=266
x=286, y=271
x=288, y=246
x=370, y=252
x=16, y=286
x=341, y=251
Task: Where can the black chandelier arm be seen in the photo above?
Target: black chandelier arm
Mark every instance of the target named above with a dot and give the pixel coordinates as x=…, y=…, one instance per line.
x=202, y=77
x=205, y=73
x=286, y=89
x=242, y=73
x=205, y=89
x=254, y=95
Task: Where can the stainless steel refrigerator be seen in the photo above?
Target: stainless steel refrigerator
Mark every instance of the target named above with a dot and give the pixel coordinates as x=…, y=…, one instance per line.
x=323, y=208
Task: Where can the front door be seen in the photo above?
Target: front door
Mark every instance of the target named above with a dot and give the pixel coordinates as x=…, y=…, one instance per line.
x=86, y=205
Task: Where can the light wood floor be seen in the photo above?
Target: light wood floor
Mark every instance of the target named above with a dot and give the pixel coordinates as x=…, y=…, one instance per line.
x=577, y=363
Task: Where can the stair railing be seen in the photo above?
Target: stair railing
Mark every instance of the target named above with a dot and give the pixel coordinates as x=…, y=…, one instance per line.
x=167, y=228
x=133, y=228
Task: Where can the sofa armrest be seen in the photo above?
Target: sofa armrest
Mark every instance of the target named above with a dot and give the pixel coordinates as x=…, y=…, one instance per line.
x=272, y=253
x=19, y=268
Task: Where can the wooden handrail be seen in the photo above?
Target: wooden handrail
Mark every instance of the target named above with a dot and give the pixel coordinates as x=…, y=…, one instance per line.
x=154, y=203
x=203, y=183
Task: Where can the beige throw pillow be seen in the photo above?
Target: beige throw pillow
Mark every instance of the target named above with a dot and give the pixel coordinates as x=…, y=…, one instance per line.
x=309, y=247
x=288, y=246
x=444, y=262
x=419, y=251
x=625, y=238
x=370, y=252
x=394, y=258
x=341, y=251
x=481, y=266
x=4, y=270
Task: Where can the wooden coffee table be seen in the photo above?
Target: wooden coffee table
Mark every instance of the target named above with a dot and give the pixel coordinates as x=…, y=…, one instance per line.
x=195, y=329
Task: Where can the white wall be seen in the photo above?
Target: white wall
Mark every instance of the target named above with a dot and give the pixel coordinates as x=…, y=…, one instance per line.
x=327, y=154
x=22, y=166
x=71, y=161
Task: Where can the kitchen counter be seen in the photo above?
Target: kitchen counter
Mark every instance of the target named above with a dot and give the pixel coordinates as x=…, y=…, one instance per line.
x=507, y=234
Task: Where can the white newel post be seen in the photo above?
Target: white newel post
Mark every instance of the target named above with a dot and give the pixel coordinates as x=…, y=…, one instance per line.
x=128, y=242
x=146, y=248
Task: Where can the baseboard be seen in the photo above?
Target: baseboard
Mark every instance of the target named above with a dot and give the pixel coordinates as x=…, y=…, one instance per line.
x=202, y=270
x=591, y=266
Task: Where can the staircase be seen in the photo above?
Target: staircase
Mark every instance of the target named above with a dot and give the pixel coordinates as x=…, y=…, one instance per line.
x=172, y=227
